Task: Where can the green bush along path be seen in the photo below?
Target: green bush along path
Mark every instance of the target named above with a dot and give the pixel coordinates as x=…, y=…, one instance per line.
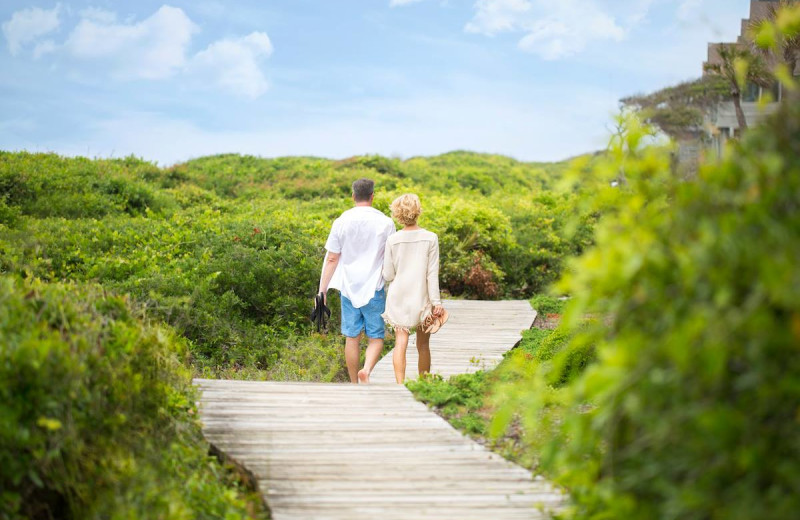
x=670, y=389
x=120, y=280
x=97, y=413
x=227, y=249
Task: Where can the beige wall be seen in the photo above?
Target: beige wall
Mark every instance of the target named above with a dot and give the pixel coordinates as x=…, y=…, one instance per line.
x=759, y=10
x=753, y=113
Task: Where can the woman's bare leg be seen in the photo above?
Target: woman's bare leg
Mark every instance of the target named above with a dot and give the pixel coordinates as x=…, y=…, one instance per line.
x=424, y=350
x=399, y=355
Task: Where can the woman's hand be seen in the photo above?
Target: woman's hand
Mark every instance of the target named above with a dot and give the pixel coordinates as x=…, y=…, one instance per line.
x=437, y=310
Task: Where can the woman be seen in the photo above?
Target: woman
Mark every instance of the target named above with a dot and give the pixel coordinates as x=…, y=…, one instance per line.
x=411, y=263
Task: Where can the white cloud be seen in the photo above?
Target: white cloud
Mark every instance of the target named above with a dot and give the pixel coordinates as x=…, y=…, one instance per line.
x=494, y=16
x=555, y=30
x=28, y=25
x=154, y=48
x=233, y=64
x=569, y=30
x=42, y=48
x=99, y=15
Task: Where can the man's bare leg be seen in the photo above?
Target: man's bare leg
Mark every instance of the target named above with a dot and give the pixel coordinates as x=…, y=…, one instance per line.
x=374, y=349
x=424, y=350
x=352, y=353
x=399, y=355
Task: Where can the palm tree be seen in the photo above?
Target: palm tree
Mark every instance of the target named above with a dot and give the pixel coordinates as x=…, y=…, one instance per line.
x=727, y=67
x=679, y=111
x=787, y=48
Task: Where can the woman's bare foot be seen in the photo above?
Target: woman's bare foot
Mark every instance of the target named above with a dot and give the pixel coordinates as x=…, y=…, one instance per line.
x=363, y=376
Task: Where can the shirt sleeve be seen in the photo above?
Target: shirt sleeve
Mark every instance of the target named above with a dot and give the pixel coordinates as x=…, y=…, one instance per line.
x=388, y=264
x=334, y=242
x=433, y=272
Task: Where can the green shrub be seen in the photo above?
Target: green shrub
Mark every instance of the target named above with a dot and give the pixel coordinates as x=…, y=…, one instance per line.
x=471, y=238
x=531, y=340
x=233, y=284
x=479, y=264
x=190, y=195
x=98, y=414
x=529, y=393
x=547, y=231
x=545, y=304
x=47, y=185
x=461, y=389
x=691, y=409
x=552, y=344
x=550, y=354
x=9, y=215
x=459, y=399
x=228, y=249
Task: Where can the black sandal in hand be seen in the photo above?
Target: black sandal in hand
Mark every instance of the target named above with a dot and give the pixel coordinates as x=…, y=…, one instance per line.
x=321, y=313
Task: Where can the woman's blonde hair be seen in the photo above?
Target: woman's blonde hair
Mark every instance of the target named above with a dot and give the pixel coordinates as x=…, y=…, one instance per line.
x=406, y=209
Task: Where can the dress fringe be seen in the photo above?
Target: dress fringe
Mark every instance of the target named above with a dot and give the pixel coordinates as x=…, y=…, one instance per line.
x=396, y=326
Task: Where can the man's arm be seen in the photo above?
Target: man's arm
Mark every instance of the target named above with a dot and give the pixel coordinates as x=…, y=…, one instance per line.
x=331, y=261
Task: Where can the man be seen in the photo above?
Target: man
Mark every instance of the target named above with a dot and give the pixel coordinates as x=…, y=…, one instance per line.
x=354, y=265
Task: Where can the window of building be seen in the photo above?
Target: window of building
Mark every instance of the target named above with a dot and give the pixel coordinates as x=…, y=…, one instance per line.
x=750, y=94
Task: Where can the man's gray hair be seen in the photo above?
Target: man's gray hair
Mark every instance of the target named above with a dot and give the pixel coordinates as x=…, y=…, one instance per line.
x=363, y=189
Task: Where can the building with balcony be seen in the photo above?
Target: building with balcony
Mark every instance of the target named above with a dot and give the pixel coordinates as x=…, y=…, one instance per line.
x=756, y=101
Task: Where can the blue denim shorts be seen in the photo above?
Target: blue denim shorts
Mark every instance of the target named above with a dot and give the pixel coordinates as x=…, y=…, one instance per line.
x=366, y=318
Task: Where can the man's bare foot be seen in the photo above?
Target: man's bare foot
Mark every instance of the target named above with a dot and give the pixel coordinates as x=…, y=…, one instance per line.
x=363, y=376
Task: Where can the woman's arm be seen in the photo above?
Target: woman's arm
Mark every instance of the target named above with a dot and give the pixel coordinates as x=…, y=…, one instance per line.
x=388, y=264
x=433, y=272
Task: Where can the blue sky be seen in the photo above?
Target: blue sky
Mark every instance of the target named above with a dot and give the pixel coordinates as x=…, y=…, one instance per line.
x=532, y=79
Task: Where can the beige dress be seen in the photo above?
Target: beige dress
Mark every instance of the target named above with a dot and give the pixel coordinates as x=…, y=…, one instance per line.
x=411, y=265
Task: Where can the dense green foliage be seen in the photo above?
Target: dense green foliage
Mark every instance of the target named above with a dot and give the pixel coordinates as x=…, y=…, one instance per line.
x=690, y=410
x=669, y=391
x=97, y=414
x=228, y=249
x=460, y=399
x=546, y=304
x=671, y=388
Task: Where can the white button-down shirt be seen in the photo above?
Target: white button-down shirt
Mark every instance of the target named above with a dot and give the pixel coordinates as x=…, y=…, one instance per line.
x=359, y=235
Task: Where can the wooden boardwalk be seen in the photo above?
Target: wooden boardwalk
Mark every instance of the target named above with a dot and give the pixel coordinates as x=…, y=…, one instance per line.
x=475, y=337
x=341, y=451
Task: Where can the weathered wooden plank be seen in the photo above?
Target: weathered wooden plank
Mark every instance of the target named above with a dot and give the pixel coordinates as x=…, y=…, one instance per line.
x=476, y=331
x=341, y=451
